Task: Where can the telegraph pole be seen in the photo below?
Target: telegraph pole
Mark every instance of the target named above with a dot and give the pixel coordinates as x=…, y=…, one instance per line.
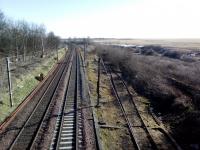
x=57, y=54
x=98, y=82
x=9, y=80
x=84, y=51
x=42, y=47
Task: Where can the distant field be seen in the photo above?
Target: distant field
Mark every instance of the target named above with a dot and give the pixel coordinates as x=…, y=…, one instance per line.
x=183, y=44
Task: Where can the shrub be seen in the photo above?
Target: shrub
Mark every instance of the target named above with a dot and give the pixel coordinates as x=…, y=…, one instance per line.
x=172, y=54
x=149, y=74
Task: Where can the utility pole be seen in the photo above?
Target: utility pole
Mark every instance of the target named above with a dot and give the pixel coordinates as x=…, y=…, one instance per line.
x=57, y=53
x=17, y=53
x=42, y=47
x=84, y=51
x=9, y=80
x=24, y=50
x=98, y=82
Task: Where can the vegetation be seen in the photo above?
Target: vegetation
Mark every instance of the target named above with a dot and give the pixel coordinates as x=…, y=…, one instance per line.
x=108, y=113
x=21, y=37
x=25, y=82
x=26, y=44
x=172, y=85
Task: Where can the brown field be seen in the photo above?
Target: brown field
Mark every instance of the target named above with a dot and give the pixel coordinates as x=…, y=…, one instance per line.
x=182, y=44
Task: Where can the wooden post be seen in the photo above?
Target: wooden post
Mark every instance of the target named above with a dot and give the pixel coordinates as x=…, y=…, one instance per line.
x=57, y=53
x=17, y=54
x=9, y=80
x=84, y=49
x=24, y=49
x=42, y=47
x=98, y=82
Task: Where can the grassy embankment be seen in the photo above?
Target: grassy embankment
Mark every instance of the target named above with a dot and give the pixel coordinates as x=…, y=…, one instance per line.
x=25, y=83
x=108, y=113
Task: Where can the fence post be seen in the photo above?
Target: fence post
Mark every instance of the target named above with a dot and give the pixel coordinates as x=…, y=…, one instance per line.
x=9, y=80
x=98, y=83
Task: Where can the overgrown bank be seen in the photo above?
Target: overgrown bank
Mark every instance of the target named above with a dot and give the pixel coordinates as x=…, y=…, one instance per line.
x=171, y=84
x=24, y=81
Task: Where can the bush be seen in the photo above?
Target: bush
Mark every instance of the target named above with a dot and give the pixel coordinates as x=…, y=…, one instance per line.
x=149, y=74
x=172, y=86
x=157, y=49
x=172, y=54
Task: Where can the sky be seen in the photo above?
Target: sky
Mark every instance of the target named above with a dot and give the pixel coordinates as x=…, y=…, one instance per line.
x=110, y=18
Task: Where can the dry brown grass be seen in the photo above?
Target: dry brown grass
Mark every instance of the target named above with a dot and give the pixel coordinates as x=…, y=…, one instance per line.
x=149, y=75
x=172, y=85
x=108, y=113
x=182, y=44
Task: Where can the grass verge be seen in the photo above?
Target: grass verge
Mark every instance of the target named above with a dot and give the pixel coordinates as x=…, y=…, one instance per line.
x=108, y=113
x=25, y=83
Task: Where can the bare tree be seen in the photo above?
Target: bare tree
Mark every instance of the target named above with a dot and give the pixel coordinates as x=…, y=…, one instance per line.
x=21, y=37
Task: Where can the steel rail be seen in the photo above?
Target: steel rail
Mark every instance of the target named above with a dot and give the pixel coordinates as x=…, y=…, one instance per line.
x=61, y=70
x=62, y=110
x=53, y=97
x=7, y=121
x=76, y=106
x=176, y=146
x=68, y=104
x=94, y=120
x=138, y=114
x=153, y=143
x=121, y=107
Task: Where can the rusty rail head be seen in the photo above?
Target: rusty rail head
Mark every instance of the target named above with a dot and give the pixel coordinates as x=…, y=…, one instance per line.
x=8, y=119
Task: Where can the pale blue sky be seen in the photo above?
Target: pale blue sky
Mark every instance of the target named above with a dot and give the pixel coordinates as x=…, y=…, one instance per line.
x=37, y=10
x=110, y=18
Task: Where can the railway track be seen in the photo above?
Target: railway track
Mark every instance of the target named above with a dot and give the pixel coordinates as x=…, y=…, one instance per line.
x=91, y=128
x=28, y=133
x=53, y=113
x=140, y=133
x=68, y=133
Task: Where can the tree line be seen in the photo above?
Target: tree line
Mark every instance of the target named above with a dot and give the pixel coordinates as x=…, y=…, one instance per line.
x=22, y=38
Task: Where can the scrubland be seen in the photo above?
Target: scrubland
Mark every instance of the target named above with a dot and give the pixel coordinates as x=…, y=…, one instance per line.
x=169, y=78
